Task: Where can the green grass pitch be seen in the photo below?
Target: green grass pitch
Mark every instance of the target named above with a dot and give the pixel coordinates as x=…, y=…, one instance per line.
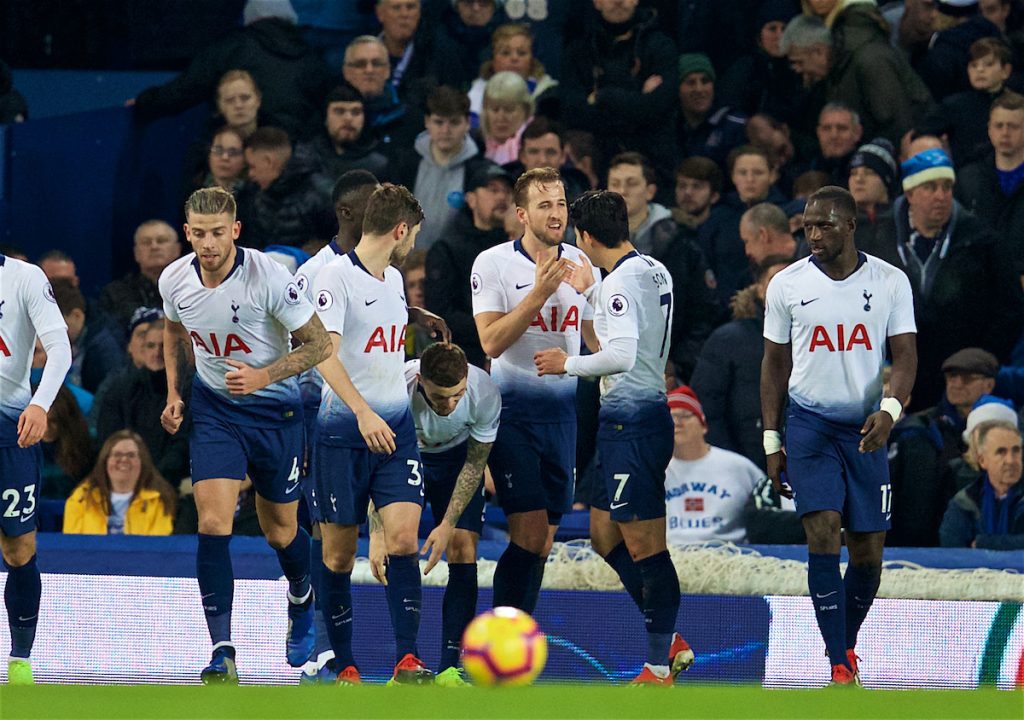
x=586, y=702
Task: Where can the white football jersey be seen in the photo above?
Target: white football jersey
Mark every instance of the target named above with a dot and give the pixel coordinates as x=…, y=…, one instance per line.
x=704, y=498
x=635, y=301
x=310, y=381
x=838, y=330
x=27, y=309
x=248, y=318
x=502, y=277
x=370, y=315
x=475, y=415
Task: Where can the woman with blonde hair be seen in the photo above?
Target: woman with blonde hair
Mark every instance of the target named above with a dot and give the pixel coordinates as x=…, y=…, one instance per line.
x=512, y=46
x=123, y=495
x=507, y=109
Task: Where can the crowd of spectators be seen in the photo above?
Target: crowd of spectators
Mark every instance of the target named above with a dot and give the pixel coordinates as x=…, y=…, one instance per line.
x=714, y=120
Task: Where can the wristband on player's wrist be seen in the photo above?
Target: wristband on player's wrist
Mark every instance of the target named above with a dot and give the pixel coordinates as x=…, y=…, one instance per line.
x=892, y=406
x=588, y=294
x=772, y=440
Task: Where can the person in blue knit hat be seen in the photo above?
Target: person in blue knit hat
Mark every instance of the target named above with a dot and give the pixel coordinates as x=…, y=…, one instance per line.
x=966, y=293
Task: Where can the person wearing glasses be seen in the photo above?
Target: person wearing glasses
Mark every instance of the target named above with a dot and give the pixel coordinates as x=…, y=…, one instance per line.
x=123, y=495
x=367, y=68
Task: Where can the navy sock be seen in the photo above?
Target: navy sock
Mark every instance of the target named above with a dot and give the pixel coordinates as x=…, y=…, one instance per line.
x=404, y=593
x=337, y=612
x=829, y=598
x=21, y=596
x=513, y=576
x=294, y=561
x=533, y=590
x=622, y=563
x=861, y=583
x=316, y=578
x=458, y=609
x=216, y=584
x=660, y=604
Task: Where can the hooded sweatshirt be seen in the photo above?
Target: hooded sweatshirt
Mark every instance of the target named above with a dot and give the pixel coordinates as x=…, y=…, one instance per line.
x=439, y=187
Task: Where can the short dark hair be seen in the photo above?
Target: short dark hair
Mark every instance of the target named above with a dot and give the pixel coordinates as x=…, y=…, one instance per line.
x=414, y=260
x=58, y=255
x=68, y=297
x=388, y=206
x=537, y=176
x=344, y=92
x=635, y=158
x=991, y=46
x=444, y=364
x=601, y=213
x=268, y=138
x=838, y=196
x=447, y=102
x=352, y=180
x=742, y=150
x=541, y=126
x=702, y=169
x=768, y=263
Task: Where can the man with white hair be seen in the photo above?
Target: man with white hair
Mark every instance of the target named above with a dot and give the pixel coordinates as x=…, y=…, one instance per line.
x=857, y=47
x=989, y=513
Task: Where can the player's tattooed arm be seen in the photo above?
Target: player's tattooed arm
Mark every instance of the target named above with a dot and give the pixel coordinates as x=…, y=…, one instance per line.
x=178, y=361
x=466, y=486
x=314, y=347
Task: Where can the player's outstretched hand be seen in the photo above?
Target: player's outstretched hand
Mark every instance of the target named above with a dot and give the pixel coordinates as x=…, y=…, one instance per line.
x=776, y=463
x=379, y=556
x=244, y=380
x=173, y=414
x=551, y=271
x=378, y=436
x=581, y=276
x=31, y=426
x=550, y=361
x=436, y=543
x=875, y=431
x=438, y=328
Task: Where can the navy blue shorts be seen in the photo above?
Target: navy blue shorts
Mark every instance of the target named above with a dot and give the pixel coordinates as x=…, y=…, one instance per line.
x=19, y=485
x=534, y=467
x=347, y=478
x=270, y=456
x=634, y=453
x=826, y=471
x=440, y=471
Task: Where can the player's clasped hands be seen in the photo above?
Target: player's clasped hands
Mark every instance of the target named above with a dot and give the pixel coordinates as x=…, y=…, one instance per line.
x=551, y=271
x=379, y=437
x=550, y=361
x=244, y=380
x=173, y=414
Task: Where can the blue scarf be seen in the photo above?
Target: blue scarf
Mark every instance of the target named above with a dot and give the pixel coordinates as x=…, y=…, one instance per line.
x=995, y=514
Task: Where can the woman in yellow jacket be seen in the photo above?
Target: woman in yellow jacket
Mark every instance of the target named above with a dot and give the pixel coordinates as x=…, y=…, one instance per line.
x=124, y=493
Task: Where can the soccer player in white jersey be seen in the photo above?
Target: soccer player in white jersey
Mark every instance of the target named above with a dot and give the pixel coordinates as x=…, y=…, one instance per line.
x=827, y=322
x=455, y=407
x=633, y=322
x=233, y=312
x=366, y=441
x=521, y=305
x=27, y=310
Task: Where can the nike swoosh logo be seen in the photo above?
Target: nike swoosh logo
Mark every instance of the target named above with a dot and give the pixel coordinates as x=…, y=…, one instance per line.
x=370, y=302
x=28, y=517
x=290, y=490
x=183, y=307
x=408, y=600
x=207, y=595
x=808, y=302
x=616, y=506
x=26, y=619
x=826, y=594
x=520, y=287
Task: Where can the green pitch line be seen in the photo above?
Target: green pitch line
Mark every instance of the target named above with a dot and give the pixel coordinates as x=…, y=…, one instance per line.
x=586, y=702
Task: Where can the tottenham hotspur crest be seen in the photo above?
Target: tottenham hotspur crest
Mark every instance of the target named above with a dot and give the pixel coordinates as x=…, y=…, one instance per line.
x=867, y=301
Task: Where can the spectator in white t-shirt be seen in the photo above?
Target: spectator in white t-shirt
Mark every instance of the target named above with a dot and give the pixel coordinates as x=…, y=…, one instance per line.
x=706, y=487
